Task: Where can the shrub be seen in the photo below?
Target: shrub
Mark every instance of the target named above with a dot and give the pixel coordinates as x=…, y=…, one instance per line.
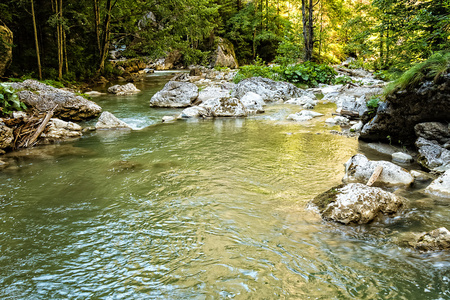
x=342, y=80
x=9, y=101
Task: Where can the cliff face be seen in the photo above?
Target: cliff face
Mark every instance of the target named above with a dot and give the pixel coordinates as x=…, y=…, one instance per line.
x=396, y=118
x=6, y=42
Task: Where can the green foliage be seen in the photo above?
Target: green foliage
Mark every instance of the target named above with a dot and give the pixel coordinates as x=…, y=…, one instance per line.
x=372, y=104
x=9, y=101
x=431, y=69
x=53, y=83
x=307, y=73
x=342, y=80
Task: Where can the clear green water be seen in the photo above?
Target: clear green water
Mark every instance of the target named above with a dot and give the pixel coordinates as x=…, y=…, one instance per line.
x=207, y=209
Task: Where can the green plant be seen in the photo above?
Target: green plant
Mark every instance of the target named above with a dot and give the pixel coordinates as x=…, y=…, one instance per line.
x=431, y=69
x=372, y=104
x=342, y=80
x=9, y=101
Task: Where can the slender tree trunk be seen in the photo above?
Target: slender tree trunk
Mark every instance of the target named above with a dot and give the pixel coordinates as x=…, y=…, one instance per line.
x=65, y=52
x=308, y=28
x=106, y=35
x=311, y=29
x=36, y=40
x=267, y=14
x=96, y=6
x=238, y=4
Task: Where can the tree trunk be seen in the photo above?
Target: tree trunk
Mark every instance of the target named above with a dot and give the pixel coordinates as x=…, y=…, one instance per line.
x=36, y=40
x=308, y=28
x=105, y=37
x=96, y=6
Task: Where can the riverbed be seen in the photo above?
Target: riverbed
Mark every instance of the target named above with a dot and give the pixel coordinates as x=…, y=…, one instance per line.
x=203, y=209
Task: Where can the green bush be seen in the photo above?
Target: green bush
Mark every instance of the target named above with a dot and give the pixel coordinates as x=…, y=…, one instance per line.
x=307, y=73
x=372, y=104
x=9, y=101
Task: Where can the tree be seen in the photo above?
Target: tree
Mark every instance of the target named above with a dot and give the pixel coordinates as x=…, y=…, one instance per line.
x=36, y=40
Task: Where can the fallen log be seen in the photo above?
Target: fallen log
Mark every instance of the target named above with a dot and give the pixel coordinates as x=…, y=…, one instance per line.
x=375, y=175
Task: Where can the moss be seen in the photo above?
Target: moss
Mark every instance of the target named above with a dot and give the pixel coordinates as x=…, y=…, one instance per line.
x=431, y=69
x=323, y=200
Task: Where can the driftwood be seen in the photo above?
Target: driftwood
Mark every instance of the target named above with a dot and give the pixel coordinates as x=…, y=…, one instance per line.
x=375, y=175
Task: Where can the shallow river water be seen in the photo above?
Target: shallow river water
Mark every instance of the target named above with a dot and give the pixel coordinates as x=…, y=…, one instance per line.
x=206, y=209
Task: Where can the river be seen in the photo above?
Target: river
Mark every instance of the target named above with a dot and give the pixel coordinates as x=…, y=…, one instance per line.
x=202, y=209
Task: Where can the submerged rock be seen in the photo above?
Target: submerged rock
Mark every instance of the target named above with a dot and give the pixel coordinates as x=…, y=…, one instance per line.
x=125, y=89
x=435, y=240
x=108, y=121
x=360, y=169
x=269, y=89
x=440, y=186
x=167, y=119
x=175, y=94
x=42, y=97
x=356, y=203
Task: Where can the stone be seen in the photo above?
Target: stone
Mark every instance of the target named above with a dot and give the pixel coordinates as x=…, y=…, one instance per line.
x=194, y=112
x=224, y=55
x=432, y=156
x=440, y=186
x=6, y=136
x=126, y=89
x=253, y=103
x=269, y=89
x=404, y=109
x=108, y=121
x=401, y=157
x=42, y=97
x=435, y=240
x=224, y=107
x=212, y=91
x=58, y=130
x=433, y=131
x=304, y=101
x=338, y=120
x=6, y=45
x=167, y=119
x=420, y=176
x=175, y=94
x=356, y=203
x=360, y=169
x=195, y=72
x=357, y=127
x=304, y=115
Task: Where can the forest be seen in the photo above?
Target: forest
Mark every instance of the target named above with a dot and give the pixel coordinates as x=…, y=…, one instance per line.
x=71, y=40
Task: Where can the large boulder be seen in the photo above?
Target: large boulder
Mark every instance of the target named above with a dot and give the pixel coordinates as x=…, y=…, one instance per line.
x=440, y=186
x=108, y=121
x=213, y=91
x=360, y=169
x=269, y=89
x=175, y=94
x=356, y=203
x=224, y=55
x=6, y=136
x=435, y=240
x=224, y=107
x=253, y=103
x=6, y=44
x=66, y=105
x=433, y=156
x=125, y=89
x=404, y=109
